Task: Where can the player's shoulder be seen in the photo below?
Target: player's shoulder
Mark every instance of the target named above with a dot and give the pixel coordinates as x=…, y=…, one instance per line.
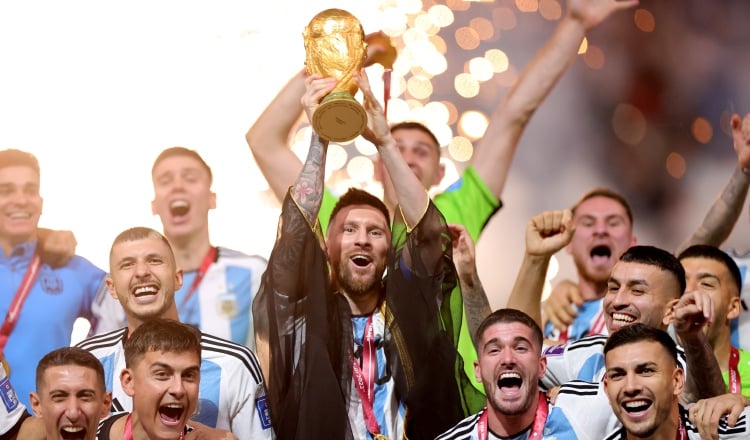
x=106, y=340
x=579, y=388
x=235, y=257
x=586, y=344
x=232, y=355
x=463, y=429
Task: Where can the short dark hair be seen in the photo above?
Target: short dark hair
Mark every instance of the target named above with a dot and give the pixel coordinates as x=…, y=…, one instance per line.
x=12, y=157
x=641, y=332
x=69, y=356
x=716, y=254
x=140, y=233
x=654, y=256
x=182, y=151
x=509, y=316
x=412, y=125
x=161, y=335
x=606, y=193
x=356, y=196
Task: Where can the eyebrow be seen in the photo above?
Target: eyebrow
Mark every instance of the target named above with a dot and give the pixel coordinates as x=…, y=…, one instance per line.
x=516, y=340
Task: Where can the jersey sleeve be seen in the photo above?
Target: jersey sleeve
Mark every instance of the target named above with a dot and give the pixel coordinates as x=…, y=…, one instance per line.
x=252, y=418
x=468, y=202
x=106, y=312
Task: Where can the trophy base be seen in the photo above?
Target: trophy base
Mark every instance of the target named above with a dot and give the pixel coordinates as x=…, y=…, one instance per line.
x=339, y=118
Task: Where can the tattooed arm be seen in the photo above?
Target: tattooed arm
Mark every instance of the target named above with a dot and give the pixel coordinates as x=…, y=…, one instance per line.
x=307, y=190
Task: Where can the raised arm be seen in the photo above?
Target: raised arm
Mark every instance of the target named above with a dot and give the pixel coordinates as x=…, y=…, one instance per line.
x=494, y=152
x=268, y=138
x=307, y=190
x=546, y=233
x=410, y=194
x=724, y=212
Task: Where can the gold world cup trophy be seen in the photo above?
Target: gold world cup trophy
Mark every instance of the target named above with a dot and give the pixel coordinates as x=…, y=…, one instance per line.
x=335, y=47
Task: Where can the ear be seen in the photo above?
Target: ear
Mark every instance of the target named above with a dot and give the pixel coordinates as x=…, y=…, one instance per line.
x=212, y=200
x=669, y=312
x=36, y=404
x=178, y=279
x=106, y=404
x=477, y=371
x=678, y=378
x=126, y=380
x=111, y=287
x=440, y=173
x=734, y=309
x=542, y=366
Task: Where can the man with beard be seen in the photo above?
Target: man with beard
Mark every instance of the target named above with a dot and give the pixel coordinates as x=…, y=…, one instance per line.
x=643, y=382
x=510, y=365
x=604, y=225
x=356, y=353
x=143, y=278
x=646, y=285
x=162, y=374
x=219, y=283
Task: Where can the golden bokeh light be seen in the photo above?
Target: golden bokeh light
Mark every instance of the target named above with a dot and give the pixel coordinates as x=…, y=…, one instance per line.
x=419, y=87
x=594, y=57
x=504, y=18
x=364, y=146
x=467, y=38
x=527, y=5
x=583, y=47
x=360, y=169
x=629, y=124
x=484, y=28
x=460, y=149
x=452, y=112
x=481, y=69
x=550, y=9
x=466, y=85
x=702, y=130
x=676, y=165
x=335, y=158
x=499, y=60
x=473, y=124
x=426, y=24
x=442, y=15
x=437, y=112
x=644, y=20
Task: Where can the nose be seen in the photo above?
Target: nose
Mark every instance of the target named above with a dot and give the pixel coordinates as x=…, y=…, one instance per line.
x=73, y=410
x=600, y=227
x=177, y=387
x=362, y=238
x=632, y=386
x=619, y=298
x=141, y=268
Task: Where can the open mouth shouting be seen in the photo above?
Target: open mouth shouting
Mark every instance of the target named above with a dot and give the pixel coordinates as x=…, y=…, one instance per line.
x=73, y=432
x=144, y=293
x=637, y=408
x=601, y=255
x=179, y=207
x=361, y=261
x=509, y=382
x=171, y=414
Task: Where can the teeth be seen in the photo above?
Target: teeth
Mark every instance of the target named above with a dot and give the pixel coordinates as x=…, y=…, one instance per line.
x=636, y=404
x=179, y=204
x=145, y=290
x=174, y=405
x=20, y=215
x=622, y=317
x=72, y=428
x=510, y=375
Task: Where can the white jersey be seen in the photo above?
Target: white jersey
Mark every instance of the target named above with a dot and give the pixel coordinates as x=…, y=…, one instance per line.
x=582, y=360
x=232, y=394
x=741, y=325
x=741, y=429
x=222, y=303
x=11, y=409
x=581, y=412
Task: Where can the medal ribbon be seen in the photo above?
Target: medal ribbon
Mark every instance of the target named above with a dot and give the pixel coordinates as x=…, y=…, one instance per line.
x=205, y=264
x=735, y=386
x=364, y=378
x=681, y=431
x=386, y=90
x=14, y=311
x=537, y=428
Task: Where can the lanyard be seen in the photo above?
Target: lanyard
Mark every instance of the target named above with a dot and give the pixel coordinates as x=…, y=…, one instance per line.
x=364, y=378
x=537, y=428
x=128, y=434
x=681, y=431
x=205, y=264
x=735, y=386
x=14, y=311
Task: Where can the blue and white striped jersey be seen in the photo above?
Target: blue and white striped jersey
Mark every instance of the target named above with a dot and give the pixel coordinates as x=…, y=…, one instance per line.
x=579, y=413
x=741, y=429
x=741, y=324
x=57, y=298
x=11, y=409
x=388, y=410
x=581, y=360
x=232, y=394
